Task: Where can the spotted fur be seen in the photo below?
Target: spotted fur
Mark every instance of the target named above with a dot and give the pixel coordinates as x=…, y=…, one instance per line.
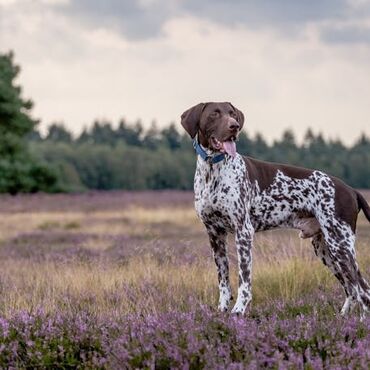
x=241, y=195
x=227, y=200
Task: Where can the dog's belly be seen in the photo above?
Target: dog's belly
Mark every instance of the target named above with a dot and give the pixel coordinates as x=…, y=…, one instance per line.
x=283, y=212
x=301, y=220
x=263, y=219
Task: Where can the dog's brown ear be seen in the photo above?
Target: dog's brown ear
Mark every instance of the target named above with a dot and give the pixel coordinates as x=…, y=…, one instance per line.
x=190, y=119
x=239, y=116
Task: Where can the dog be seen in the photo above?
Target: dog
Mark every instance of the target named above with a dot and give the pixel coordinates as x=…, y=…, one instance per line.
x=242, y=195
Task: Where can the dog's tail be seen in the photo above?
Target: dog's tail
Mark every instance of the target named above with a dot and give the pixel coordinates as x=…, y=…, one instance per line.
x=362, y=203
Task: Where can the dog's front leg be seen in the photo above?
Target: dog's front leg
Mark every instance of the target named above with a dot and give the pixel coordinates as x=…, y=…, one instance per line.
x=217, y=240
x=244, y=242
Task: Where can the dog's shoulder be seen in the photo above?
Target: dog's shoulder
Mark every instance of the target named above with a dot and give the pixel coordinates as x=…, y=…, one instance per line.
x=265, y=172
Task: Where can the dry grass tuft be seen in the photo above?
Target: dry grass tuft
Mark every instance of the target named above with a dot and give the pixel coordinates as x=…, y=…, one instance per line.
x=143, y=260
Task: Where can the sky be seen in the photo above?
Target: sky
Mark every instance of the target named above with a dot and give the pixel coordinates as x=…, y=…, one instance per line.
x=286, y=64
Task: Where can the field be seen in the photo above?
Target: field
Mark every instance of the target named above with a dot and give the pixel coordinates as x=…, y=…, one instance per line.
x=127, y=280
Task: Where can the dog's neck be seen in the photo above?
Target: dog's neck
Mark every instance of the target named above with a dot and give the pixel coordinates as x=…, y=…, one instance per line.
x=208, y=155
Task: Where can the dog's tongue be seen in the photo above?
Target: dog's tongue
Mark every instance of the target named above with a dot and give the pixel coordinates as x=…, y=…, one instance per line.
x=230, y=147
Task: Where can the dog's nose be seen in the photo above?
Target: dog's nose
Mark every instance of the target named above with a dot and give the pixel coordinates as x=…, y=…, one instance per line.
x=234, y=125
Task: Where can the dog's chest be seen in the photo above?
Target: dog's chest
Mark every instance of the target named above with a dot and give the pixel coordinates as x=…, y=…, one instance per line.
x=220, y=191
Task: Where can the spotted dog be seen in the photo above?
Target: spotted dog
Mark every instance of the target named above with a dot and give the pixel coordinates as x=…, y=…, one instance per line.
x=242, y=195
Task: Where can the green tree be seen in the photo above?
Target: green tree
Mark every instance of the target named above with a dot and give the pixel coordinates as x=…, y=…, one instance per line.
x=84, y=137
x=18, y=171
x=152, y=137
x=261, y=149
x=34, y=135
x=103, y=133
x=245, y=144
x=286, y=150
x=15, y=120
x=171, y=137
x=358, y=162
x=131, y=135
x=58, y=133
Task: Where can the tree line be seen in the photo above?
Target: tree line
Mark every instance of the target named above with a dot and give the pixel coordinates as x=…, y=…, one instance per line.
x=127, y=156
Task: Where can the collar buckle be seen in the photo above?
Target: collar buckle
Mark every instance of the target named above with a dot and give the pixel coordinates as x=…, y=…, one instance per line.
x=210, y=159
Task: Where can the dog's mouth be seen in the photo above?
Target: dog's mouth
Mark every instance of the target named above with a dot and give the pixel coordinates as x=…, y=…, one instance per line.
x=228, y=146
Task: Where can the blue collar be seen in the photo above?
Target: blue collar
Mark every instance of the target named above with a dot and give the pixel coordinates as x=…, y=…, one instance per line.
x=206, y=157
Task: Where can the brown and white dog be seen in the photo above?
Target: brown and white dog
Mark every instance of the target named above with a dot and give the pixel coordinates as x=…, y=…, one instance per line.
x=242, y=195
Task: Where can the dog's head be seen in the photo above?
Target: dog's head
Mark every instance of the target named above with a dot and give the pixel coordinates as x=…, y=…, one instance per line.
x=217, y=125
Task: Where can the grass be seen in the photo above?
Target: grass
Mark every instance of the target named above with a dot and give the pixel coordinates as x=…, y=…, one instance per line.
x=107, y=262
x=165, y=248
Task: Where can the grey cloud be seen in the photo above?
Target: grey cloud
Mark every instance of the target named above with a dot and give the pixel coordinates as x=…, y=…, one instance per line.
x=130, y=18
x=281, y=13
x=138, y=21
x=346, y=35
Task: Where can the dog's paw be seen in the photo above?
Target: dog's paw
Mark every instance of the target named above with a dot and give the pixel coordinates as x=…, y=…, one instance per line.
x=238, y=309
x=222, y=308
x=225, y=299
x=223, y=305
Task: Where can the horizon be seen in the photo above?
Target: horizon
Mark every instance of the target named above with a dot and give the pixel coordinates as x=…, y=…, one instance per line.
x=285, y=65
x=299, y=140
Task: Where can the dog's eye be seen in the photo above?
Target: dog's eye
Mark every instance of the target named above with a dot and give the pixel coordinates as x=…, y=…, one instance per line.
x=215, y=113
x=232, y=114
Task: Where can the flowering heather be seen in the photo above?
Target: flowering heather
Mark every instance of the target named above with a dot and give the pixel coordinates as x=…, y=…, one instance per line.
x=283, y=335
x=94, y=200
x=127, y=280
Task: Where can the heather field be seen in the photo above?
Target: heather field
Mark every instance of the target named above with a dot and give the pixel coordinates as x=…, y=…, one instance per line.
x=123, y=280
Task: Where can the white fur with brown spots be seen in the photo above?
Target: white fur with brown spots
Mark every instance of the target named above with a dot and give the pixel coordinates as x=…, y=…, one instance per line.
x=241, y=195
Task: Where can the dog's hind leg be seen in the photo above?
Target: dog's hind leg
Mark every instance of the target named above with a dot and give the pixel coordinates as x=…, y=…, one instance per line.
x=341, y=259
x=322, y=251
x=217, y=237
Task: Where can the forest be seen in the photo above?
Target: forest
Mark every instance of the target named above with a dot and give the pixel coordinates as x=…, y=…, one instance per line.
x=125, y=155
x=129, y=157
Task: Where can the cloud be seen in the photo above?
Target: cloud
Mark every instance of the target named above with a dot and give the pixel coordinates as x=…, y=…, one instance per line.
x=270, y=13
x=77, y=70
x=146, y=19
x=143, y=19
x=346, y=33
x=134, y=19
